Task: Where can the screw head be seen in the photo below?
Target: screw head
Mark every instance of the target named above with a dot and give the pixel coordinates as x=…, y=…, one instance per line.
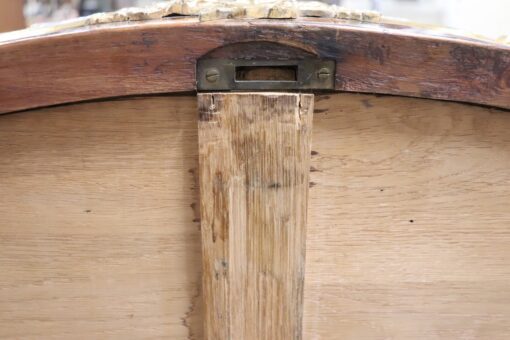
x=212, y=75
x=324, y=73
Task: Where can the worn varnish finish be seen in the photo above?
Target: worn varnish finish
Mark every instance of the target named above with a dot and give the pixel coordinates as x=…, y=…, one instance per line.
x=407, y=236
x=254, y=151
x=160, y=56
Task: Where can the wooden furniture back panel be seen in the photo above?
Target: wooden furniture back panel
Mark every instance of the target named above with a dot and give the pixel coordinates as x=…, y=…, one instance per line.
x=408, y=227
x=409, y=220
x=98, y=237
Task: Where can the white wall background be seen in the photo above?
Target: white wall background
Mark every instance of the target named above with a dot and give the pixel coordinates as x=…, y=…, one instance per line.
x=486, y=17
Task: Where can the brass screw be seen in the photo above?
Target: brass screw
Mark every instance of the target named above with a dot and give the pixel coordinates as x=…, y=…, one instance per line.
x=212, y=75
x=324, y=73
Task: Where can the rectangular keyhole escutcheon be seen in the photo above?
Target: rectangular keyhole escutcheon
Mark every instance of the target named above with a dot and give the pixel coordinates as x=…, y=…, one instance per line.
x=265, y=75
x=254, y=162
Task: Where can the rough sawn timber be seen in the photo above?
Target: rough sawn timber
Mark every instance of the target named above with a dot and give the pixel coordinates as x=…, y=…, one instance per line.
x=254, y=164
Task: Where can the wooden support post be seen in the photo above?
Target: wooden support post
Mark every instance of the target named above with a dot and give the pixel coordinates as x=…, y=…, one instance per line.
x=254, y=165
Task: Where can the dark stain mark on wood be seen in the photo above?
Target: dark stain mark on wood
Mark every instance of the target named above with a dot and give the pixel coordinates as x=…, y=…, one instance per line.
x=139, y=67
x=147, y=40
x=213, y=232
x=314, y=153
x=194, y=206
x=501, y=69
x=366, y=103
x=377, y=52
x=321, y=98
x=221, y=203
x=206, y=110
x=468, y=58
x=196, y=212
x=204, y=115
x=261, y=50
x=320, y=110
x=274, y=186
x=187, y=319
x=224, y=264
x=312, y=184
x=313, y=169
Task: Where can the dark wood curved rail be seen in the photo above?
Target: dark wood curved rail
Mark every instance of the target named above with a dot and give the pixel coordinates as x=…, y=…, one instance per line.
x=160, y=57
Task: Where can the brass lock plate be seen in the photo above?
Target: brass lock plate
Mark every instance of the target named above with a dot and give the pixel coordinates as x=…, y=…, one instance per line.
x=240, y=74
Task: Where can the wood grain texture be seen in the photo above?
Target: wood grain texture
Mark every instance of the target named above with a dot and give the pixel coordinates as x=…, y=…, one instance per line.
x=409, y=226
x=160, y=56
x=98, y=235
x=11, y=15
x=254, y=152
x=131, y=267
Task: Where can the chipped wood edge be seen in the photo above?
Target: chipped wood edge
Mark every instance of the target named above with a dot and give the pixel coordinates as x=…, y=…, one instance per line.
x=205, y=10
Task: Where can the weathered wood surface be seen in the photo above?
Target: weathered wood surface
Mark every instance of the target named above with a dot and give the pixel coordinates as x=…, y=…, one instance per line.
x=160, y=56
x=254, y=151
x=408, y=223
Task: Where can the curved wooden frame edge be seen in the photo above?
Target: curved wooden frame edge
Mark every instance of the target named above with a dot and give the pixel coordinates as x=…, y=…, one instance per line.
x=160, y=57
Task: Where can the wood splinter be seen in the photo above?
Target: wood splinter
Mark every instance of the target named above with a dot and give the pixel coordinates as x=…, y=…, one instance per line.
x=254, y=152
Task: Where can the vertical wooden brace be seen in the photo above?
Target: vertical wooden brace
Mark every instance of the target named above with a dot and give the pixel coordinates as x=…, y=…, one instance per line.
x=254, y=167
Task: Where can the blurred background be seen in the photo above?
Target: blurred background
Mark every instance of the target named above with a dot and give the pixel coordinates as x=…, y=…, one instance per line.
x=490, y=18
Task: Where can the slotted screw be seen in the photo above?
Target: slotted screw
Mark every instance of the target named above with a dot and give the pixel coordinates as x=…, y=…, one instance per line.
x=212, y=75
x=324, y=73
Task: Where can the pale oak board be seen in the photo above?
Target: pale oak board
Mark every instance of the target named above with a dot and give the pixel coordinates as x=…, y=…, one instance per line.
x=409, y=221
x=98, y=237
x=131, y=267
x=254, y=161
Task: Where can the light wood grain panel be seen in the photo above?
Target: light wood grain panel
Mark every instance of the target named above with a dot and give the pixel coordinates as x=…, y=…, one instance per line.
x=254, y=166
x=409, y=226
x=98, y=238
x=11, y=15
